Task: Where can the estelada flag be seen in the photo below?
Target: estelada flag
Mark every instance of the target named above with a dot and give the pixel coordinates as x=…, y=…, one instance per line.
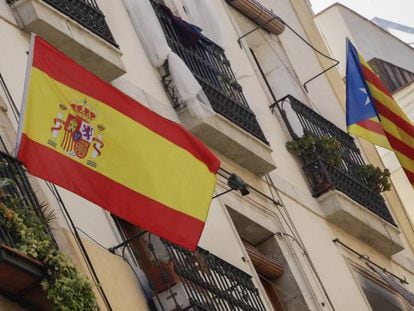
x=373, y=114
x=361, y=116
x=83, y=134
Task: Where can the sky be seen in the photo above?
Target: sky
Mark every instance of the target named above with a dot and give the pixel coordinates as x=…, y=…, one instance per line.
x=399, y=11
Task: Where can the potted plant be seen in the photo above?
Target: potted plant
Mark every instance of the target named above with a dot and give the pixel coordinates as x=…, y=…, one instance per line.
x=65, y=286
x=375, y=178
x=307, y=147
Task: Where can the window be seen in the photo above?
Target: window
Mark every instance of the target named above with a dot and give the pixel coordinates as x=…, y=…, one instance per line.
x=380, y=296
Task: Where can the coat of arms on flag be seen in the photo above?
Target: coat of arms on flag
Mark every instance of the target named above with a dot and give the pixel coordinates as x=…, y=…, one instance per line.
x=74, y=131
x=161, y=178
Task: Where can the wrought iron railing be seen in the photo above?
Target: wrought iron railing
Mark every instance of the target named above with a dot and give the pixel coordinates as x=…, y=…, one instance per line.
x=321, y=175
x=86, y=13
x=213, y=284
x=19, y=189
x=209, y=64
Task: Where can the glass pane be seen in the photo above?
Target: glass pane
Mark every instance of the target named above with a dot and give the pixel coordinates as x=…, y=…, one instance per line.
x=380, y=298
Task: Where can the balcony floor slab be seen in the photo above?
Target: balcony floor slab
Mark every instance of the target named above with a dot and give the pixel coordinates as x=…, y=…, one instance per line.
x=77, y=42
x=358, y=221
x=230, y=141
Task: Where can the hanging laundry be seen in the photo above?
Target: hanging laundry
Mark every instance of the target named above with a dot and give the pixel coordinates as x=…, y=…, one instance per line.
x=188, y=34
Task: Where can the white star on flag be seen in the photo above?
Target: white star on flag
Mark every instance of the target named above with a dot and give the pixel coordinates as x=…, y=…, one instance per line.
x=367, y=101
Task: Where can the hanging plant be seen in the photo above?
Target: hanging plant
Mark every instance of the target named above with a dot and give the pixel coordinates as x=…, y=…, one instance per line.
x=308, y=146
x=66, y=288
x=376, y=179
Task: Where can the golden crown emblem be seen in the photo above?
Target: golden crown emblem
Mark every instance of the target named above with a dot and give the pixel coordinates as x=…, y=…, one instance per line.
x=83, y=111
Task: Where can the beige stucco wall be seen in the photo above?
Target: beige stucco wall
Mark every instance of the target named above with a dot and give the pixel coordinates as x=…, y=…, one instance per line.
x=113, y=271
x=296, y=64
x=369, y=39
x=292, y=185
x=116, y=277
x=338, y=22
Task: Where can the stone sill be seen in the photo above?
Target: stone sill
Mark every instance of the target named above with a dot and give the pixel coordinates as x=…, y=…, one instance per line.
x=77, y=42
x=358, y=221
x=230, y=141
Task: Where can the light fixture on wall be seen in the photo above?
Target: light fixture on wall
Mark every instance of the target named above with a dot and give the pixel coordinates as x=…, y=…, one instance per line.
x=235, y=183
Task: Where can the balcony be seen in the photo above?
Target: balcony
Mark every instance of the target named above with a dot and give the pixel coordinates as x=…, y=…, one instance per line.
x=20, y=275
x=234, y=131
x=345, y=197
x=77, y=28
x=185, y=280
x=210, y=283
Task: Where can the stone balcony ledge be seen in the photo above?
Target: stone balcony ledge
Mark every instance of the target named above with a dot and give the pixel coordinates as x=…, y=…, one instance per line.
x=70, y=37
x=358, y=221
x=230, y=141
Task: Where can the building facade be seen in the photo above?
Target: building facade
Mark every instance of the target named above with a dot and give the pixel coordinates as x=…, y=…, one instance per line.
x=390, y=57
x=297, y=233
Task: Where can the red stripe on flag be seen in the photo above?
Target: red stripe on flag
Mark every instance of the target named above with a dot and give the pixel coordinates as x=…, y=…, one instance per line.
x=400, y=146
x=117, y=199
x=64, y=70
x=372, y=78
x=396, y=119
x=372, y=126
x=410, y=176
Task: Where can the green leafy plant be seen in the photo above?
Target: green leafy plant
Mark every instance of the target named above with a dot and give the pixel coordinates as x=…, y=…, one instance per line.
x=308, y=146
x=65, y=287
x=376, y=178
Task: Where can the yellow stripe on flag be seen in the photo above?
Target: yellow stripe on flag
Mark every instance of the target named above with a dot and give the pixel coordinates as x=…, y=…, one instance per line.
x=371, y=136
x=397, y=132
x=405, y=162
x=120, y=165
x=387, y=101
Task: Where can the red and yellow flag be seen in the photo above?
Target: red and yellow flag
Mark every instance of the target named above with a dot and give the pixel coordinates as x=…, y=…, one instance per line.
x=84, y=135
x=375, y=115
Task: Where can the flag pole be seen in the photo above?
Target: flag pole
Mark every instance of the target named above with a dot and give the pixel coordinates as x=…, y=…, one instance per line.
x=135, y=236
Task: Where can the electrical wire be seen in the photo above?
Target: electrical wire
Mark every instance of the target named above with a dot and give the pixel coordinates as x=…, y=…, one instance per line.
x=287, y=294
x=91, y=238
x=84, y=252
x=9, y=98
x=290, y=224
x=367, y=259
x=164, y=274
x=336, y=62
x=309, y=44
x=63, y=208
x=123, y=256
x=225, y=174
x=297, y=239
x=289, y=70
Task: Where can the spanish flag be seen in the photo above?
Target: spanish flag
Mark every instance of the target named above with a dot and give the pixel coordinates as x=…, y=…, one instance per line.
x=84, y=135
x=373, y=114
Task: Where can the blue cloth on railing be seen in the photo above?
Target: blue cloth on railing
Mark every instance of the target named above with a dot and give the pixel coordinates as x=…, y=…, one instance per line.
x=187, y=33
